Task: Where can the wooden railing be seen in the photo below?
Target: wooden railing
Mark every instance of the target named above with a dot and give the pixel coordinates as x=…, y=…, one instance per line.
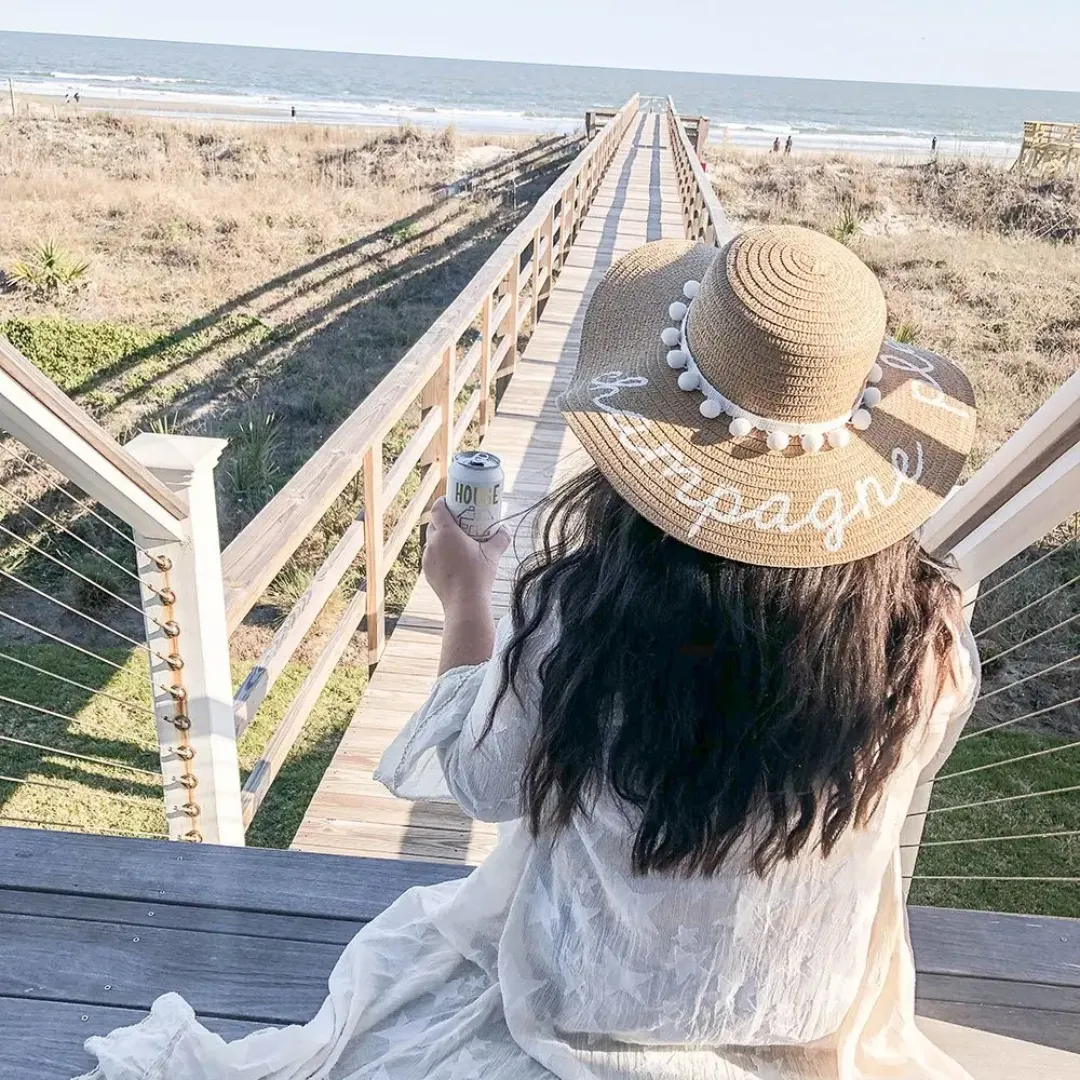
x=473, y=343
x=703, y=215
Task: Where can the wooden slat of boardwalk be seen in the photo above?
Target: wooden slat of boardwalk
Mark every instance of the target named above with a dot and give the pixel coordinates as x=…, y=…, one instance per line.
x=351, y=813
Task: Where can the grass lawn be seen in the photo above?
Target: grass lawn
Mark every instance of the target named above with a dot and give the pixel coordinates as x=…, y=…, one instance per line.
x=80, y=794
x=1057, y=857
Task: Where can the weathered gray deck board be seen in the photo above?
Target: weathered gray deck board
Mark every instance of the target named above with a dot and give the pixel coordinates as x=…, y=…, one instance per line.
x=248, y=879
x=249, y=937
x=42, y=1040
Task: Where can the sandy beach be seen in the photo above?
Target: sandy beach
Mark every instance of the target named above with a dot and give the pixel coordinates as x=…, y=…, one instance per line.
x=231, y=108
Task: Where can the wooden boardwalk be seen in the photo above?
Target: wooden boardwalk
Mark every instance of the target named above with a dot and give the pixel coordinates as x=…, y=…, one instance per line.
x=351, y=813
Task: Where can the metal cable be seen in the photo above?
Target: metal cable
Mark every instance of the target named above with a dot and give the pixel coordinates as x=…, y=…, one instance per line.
x=78, y=502
x=1028, y=678
x=1017, y=719
x=1034, y=637
x=61, y=641
x=999, y=799
x=82, y=614
x=1027, y=607
x=71, y=570
x=67, y=788
x=988, y=839
x=75, y=536
x=1024, y=569
x=992, y=877
x=5, y=820
x=81, y=757
x=82, y=686
x=1007, y=761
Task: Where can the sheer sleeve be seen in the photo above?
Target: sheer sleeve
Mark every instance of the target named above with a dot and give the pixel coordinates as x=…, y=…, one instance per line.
x=440, y=753
x=954, y=707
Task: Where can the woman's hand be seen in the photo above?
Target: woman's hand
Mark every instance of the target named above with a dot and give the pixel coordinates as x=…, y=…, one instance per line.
x=460, y=569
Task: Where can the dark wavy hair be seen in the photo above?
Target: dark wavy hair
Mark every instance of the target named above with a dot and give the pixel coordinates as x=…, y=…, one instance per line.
x=719, y=699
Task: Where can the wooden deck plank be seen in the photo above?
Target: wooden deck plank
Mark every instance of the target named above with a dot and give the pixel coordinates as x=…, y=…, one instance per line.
x=350, y=813
x=247, y=879
x=128, y=965
x=42, y=1040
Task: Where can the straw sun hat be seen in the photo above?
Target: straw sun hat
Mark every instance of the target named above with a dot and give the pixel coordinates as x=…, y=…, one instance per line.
x=747, y=402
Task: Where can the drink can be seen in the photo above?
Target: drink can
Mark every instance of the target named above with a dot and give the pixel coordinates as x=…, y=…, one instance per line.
x=474, y=487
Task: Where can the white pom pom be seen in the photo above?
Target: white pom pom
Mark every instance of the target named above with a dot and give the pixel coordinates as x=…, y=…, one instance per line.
x=670, y=335
x=861, y=420
x=676, y=359
x=875, y=374
x=740, y=427
x=688, y=380
x=677, y=311
x=710, y=408
x=690, y=289
x=813, y=442
x=778, y=440
x=839, y=437
x=871, y=396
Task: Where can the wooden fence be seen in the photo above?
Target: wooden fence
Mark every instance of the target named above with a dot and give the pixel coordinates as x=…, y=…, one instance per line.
x=703, y=215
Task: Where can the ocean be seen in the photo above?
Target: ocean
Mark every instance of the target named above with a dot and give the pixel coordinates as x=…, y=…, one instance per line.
x=226, y=81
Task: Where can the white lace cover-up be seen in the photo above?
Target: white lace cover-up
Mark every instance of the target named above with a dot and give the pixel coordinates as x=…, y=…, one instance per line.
x=554, y=960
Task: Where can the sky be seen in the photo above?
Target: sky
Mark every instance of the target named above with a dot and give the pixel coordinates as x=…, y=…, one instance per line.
x=1018, y=43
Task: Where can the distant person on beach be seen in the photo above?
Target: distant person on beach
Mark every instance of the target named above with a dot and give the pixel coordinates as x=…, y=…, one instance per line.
x=700, y=726
x=787, y=145
x=76, y=97
x=933, y=145
x=776, y=145
x=294, y=112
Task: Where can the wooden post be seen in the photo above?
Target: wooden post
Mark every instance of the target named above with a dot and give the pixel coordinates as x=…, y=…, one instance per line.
x=535, y=278
x=185, y=622
x=702, y=136
x=439, y=393
x=485, y=348
x=549, y=226
x=11, y=92
x=513, y=287
x=375, y=572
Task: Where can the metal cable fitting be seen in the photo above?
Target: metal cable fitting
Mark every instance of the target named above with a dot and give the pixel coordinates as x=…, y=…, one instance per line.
x=185, y=753
x=171, y=628
x=193, y=837
x=189, y=782
x=181, y=722
x=162, y=562
x=167, y=596
x=175, y=662
x=192, y=810
x=178, y=693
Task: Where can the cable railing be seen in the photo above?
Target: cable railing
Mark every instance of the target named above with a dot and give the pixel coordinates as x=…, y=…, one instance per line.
x=1002, y=828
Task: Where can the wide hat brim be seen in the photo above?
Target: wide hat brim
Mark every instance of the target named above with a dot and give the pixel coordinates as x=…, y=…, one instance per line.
x=734, y=497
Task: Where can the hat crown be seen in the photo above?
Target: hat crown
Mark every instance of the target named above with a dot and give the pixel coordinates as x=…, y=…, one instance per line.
x=787, y=323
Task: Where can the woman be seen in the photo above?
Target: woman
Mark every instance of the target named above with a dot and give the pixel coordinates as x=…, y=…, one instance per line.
x=727, y=666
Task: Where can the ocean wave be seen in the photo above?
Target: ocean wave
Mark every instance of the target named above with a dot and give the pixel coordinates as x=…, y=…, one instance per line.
x=151, y=79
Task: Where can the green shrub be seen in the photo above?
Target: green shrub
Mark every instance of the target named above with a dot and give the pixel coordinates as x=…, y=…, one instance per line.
x=48, y=269
x=253, y=468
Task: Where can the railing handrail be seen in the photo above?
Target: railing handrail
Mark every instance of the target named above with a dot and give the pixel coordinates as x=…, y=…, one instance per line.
x=41, y=416
x=255, y=556
x=721, y=230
